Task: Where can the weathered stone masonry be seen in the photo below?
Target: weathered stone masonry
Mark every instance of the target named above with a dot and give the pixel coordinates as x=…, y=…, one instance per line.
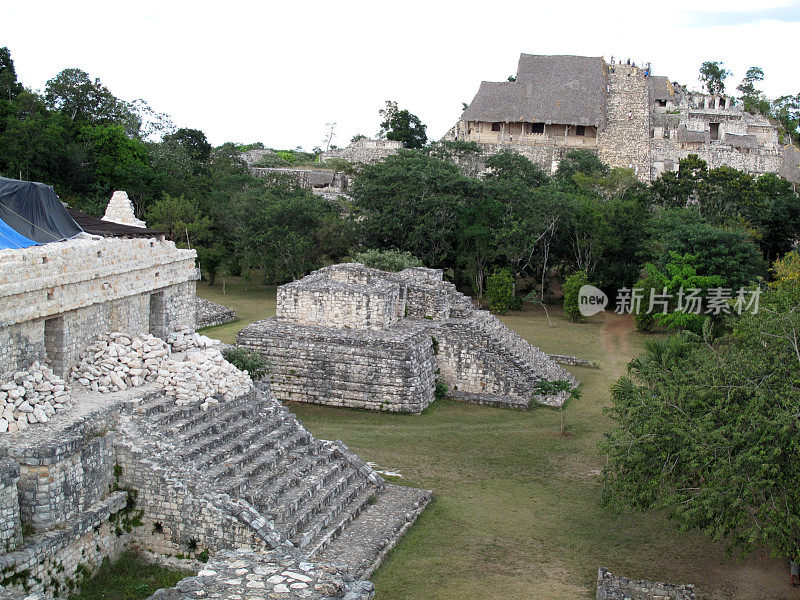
x=351, y=336
x=54, y=299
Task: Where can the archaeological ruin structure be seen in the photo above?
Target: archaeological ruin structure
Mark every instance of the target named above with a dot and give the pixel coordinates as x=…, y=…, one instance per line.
x=348, y=335
x=629, y=117
x=123, y=428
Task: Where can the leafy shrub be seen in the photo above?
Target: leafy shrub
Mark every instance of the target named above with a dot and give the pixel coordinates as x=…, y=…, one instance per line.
x=440, y=391
x=388, y=260
x=571, y=287
x=251, y=361
x=500, y=292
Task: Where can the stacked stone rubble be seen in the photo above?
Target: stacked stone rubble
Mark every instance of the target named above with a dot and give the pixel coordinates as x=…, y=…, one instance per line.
x=30, y=397
x=118, y=361
x=205, y=377
x=209, y=314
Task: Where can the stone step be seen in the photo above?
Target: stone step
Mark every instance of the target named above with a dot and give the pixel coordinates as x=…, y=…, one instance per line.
x=365, y=541
x=223, y=459
x=289, y=469
x=193, y=420
x=215, y=433
x=266, y=468
x=268, y=454
x=329, y=499
x=153, y=406
x=327, y=523
x=286, y=496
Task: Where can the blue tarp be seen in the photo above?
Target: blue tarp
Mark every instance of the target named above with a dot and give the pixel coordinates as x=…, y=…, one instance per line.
x=34, y=211
x=11, y=239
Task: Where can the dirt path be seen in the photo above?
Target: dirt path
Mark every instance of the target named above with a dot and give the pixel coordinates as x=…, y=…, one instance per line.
x=615, y=339
x=757, y=577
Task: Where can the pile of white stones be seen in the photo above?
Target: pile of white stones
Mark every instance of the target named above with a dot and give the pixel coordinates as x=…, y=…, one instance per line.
x=186, y=339
x=32, y=396
x=204, y=377
x=117, y=361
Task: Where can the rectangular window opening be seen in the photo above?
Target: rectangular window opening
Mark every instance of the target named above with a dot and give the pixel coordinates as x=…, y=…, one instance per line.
x=495, y=126
x=580, y=130
x=714, y=130
x=537, y=127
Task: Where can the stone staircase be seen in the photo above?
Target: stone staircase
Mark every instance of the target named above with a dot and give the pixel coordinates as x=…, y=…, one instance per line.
x=521, y=365
x=255, y=451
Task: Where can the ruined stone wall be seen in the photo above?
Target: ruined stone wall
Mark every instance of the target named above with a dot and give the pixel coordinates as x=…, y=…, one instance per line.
x=63, y=472
x=57, y=561
x=332, y=302
x=325, y=346
x=321, y=182
x=67, y=494
x=180, y=516
x=55, y=298
x=626, y=140
x=364, y=151
x=21, y=345
x=10, y=524
x=209, y=314
x=391, y=370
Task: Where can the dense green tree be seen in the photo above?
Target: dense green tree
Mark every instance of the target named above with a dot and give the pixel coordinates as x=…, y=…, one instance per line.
x=707, y=430
x=73, y=93
x=279, y=228
x=402, y=126
x=411, y=202
x=679, y=280
x=387, y=260
x=9, y=86
x=193, y=141
x=727, y=252
x=753, y=99
x=511, y=166
x=787, y=110
x=579, y=161
x=571, y=288
x=713, y=76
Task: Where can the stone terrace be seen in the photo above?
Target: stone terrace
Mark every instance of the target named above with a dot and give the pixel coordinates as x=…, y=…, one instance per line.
x=347, y=335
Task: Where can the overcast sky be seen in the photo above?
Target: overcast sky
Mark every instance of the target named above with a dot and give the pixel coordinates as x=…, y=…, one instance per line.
x=278, y=72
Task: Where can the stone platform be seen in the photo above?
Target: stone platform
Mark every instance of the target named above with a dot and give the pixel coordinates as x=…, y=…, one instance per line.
x=348, y=335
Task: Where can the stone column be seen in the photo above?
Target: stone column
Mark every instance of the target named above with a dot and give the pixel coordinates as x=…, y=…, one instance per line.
x=10, y=526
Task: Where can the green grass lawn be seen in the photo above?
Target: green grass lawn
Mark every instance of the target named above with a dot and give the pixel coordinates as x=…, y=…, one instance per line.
x=251, y=302
x=517, y=510
x=128, y=578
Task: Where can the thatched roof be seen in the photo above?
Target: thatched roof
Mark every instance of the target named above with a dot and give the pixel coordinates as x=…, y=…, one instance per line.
x=741, y=141
x=660, y=88
x=692, y=137
x=568, y=90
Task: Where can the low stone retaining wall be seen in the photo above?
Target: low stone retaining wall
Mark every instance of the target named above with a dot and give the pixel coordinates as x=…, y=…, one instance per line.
x=247, y=575
x=613, y=587
x=209, y=314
